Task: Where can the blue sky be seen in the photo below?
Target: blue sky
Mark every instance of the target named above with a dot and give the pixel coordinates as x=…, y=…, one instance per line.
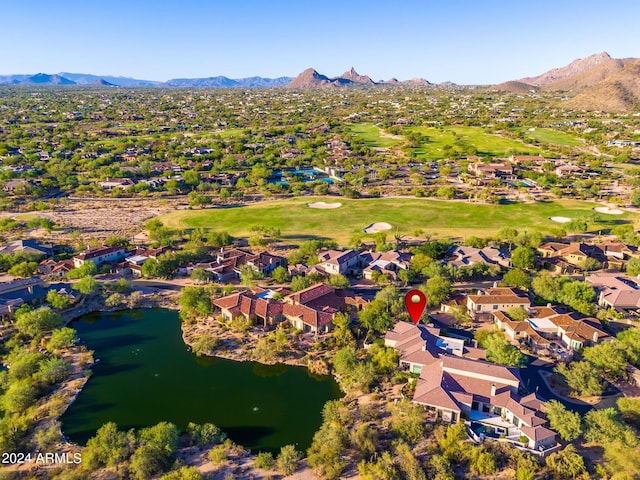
x=467, y=42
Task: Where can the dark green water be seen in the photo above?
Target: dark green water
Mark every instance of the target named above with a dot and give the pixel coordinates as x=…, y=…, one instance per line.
x=146, y=374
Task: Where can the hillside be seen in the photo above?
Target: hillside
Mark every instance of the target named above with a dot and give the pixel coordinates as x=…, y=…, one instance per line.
x=597, y=82
x=619, y=91
x=312, y=79
x=44, y=79
x=355, y=77
x=515, y=87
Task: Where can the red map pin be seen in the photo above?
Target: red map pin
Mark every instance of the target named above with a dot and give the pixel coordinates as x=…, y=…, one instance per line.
x=415, y=301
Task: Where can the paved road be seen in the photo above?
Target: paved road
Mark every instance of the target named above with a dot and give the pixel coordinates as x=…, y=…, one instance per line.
x=157, y=284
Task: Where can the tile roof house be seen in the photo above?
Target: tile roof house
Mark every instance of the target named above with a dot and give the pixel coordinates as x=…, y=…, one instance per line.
x=26, y=246
x=312, y=309
x=466, y=256
x=494, y=299
x=390, y=263
x=338, y=262
x=99, y=256
x=616, y=291
x=258, y=305
x=545, y=325
x=455, y=386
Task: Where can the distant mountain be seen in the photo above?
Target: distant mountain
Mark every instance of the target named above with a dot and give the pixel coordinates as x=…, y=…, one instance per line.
x=225, y=82
x=579, y=73
x=44, y=79
x=312, y=79
x=89, y=79
x=417, y=82
x=515, y=87
x=355, y=77
x=597, y=82
x=618, y=92
x=102, y=83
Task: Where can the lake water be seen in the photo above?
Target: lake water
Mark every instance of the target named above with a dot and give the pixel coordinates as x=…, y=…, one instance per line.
x=146, y=374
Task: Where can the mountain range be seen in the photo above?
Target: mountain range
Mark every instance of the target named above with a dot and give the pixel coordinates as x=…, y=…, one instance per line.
x=597, y=82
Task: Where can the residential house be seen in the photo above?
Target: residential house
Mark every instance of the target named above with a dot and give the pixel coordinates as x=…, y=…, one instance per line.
x=493, y=299
x=26, y=246
x=99, y=256
x=266, y=263
x=311, y=310
x=615, y=290
x=339, y=262
x=455, y=386
x=546, y=325
x=389, y=263
x=462, y=255
x=258, y=305
x=116, y=183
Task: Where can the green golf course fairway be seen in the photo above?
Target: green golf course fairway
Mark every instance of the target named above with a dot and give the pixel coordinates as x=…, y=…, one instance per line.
x=440, y=218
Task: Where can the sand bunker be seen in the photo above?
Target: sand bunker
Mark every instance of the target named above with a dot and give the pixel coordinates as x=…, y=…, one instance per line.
x=560, y=219
x=608, y=211
x=377, y=227
x=324, y=205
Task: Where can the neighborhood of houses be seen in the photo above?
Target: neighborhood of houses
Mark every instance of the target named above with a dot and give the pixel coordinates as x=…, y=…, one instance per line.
x=454, y=381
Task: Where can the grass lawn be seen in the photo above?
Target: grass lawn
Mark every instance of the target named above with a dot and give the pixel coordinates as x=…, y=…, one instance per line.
x=371, y=135
x=485, y=143
x=298, y=222
x=553, y=137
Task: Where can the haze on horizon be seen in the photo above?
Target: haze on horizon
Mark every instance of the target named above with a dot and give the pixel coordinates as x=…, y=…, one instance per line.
x=464, y=41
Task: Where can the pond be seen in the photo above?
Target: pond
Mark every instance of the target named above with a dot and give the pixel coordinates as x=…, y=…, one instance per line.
x=146, y=374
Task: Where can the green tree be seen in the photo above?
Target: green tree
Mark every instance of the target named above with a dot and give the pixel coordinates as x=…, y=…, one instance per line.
x=183, y=473
x=280, y=274
x=338, y=281
x=633, y=266
x=408, y=463
x=19, y=396
x=565, y=422
x=288, y=460
x=603, y=426
x=437, y=289
x=500, y=351
x=35, y=322
x=63, y=338
x=609, y=359
x=482, y=462
x=195, y=302
x=582, y=377
x=264, y=460
x=86, y=285
x=523, y=257
x=23, y=269
x=58, y=300
x=114, y=300
x=517, y=277
x=567, y=463
x=200, y=275
x=108, y=448
x=407, y=420
x=382, y=468
x=545, y=286
x=87, y=268
x=204, y=434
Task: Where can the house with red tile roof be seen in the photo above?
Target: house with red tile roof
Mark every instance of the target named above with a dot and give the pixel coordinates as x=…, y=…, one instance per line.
x=493, y=299
x=545, y=325
x=257, y=305
x=389, y=263
x=616, y=290
x=335, y=262
x=456, y=384
x=99, y=256
x=312, y=309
